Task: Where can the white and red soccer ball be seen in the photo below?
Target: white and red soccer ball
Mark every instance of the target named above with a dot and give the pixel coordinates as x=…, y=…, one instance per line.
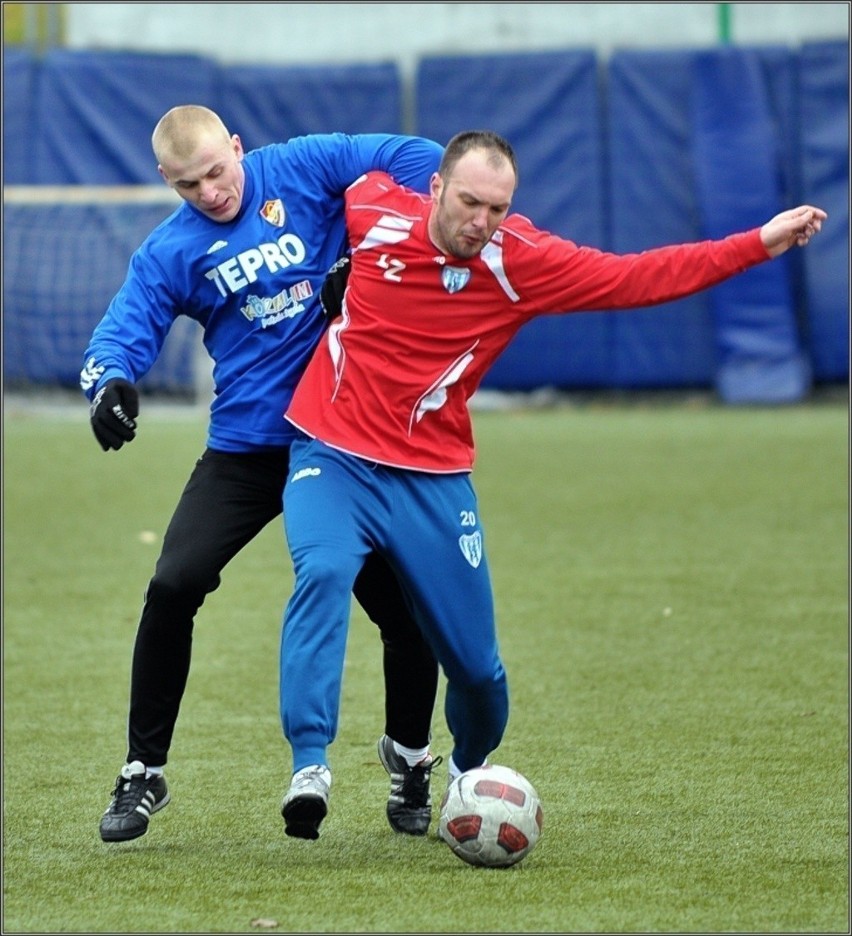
x=491, y=816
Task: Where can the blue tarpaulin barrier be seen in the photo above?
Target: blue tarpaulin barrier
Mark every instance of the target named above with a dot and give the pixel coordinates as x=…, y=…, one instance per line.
x=824, y=122
x=653, y=201
x=19, y=74
x=739, y=186
x=644, y=149
x=268, y=104
x=95, y=112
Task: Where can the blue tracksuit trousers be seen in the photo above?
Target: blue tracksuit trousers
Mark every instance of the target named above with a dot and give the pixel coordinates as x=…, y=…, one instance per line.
x=338, y=508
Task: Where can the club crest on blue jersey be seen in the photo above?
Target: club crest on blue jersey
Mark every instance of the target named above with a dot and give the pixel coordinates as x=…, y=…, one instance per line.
x=471, y=547
x=454, y=278
x=273, y=212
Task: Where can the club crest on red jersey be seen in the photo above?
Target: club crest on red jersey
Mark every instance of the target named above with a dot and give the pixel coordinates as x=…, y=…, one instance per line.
x=455, y=278
x=273, y=212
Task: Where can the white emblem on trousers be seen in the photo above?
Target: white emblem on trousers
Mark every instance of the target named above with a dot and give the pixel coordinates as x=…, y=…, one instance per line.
x=471, y=547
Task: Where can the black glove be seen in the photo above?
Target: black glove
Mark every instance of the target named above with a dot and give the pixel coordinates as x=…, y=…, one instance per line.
x=331, y=294
x=113, y=413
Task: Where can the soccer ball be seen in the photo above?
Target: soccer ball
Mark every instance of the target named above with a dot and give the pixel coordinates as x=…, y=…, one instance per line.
x=491, y=816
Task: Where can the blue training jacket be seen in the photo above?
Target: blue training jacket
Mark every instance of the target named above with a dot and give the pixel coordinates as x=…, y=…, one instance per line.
x=253, y=283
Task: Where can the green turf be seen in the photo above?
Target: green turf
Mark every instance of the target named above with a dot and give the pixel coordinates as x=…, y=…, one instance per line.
x=672, y=595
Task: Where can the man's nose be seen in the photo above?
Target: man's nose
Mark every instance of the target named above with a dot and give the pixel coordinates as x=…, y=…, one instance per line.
x=480, y=218
x=206, y=191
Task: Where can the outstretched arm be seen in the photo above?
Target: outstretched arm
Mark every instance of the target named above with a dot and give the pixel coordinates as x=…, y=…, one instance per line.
x=796, y=226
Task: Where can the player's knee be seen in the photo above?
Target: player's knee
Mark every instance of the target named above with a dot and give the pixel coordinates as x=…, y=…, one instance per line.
x=180, y=586
x=480, y=676
x=325, y=572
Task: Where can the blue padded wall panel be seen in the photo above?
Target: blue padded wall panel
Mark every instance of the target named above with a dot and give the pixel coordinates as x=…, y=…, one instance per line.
x=824, y=116
x=19, y=135
x=267, y=104
x=95, y=112
x=739, y=186
x=652, y=203
x=548, y=106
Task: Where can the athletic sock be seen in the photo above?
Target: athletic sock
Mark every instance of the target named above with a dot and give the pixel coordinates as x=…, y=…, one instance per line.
x=452, y=770
x=412, y=756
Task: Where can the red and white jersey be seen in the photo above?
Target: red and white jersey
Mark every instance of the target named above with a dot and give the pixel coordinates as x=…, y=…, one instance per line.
x=391, y=379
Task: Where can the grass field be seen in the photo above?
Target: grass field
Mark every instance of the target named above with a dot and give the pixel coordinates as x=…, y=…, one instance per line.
x=672, y=592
